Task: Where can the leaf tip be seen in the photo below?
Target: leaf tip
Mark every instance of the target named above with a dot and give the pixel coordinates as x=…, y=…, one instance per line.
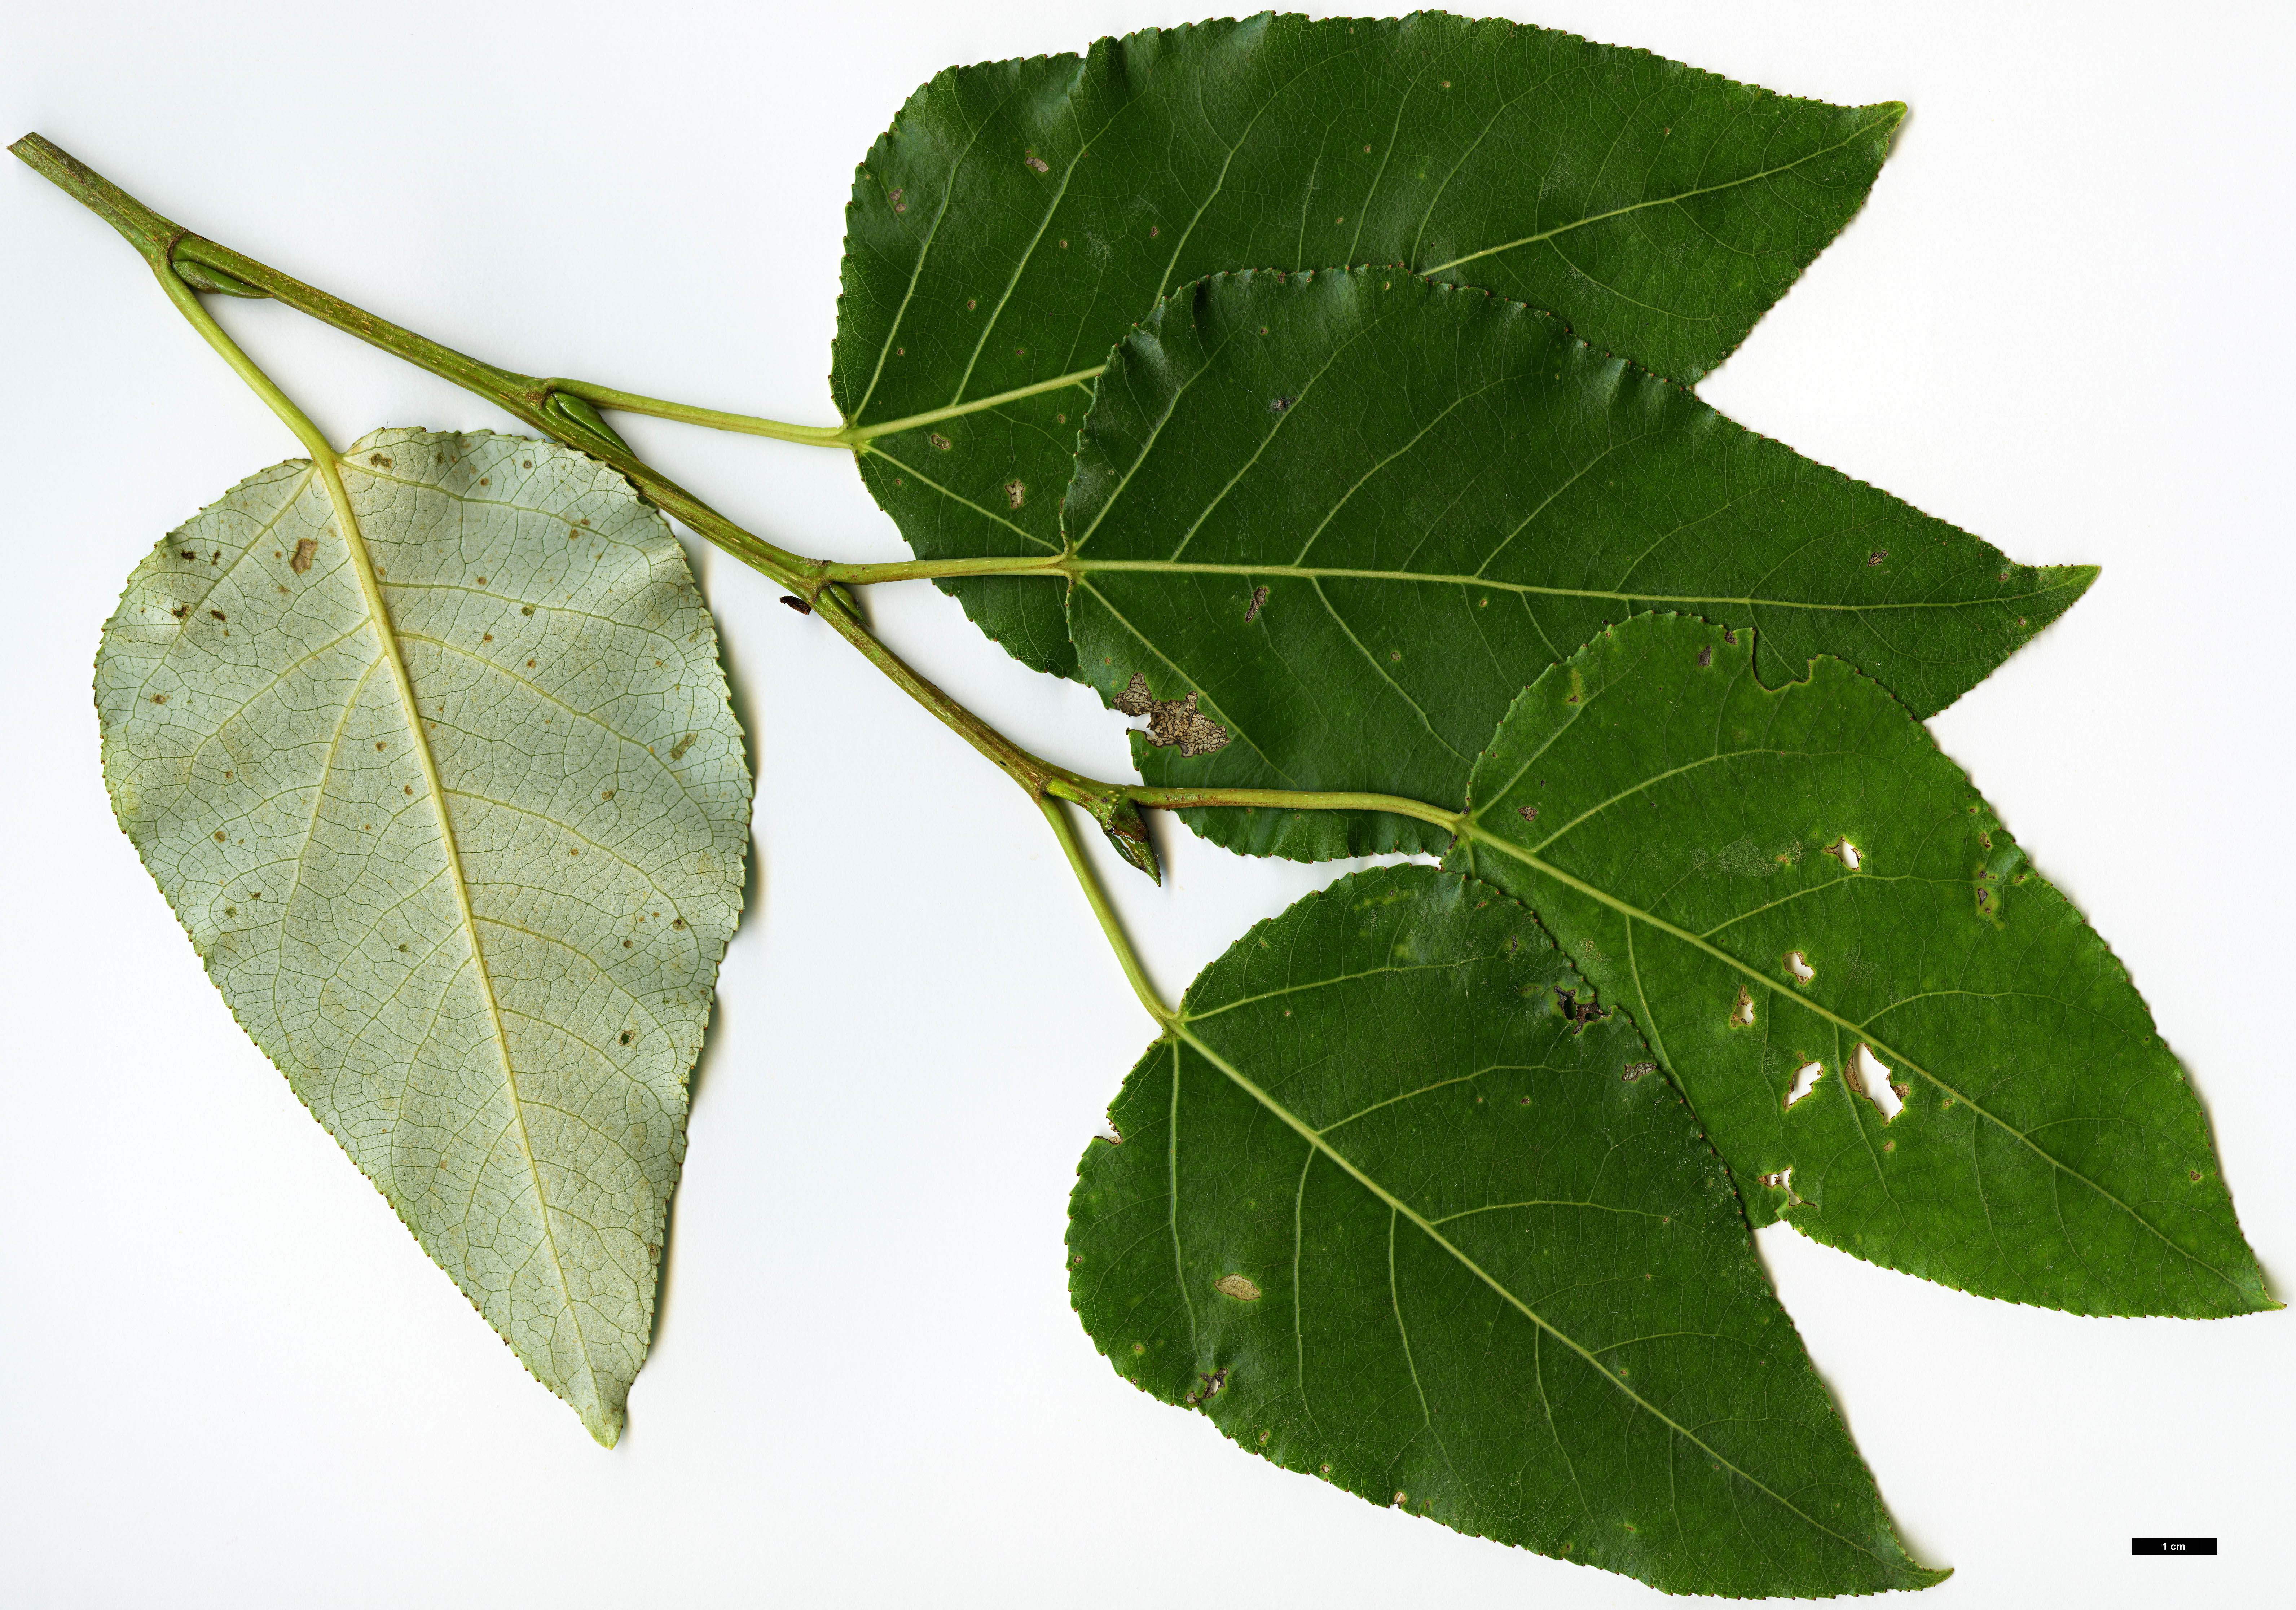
x=604, y=1424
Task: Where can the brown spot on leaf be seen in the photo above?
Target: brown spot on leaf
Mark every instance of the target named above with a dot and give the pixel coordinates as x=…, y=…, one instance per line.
x=1238, y=1287
x=940, y=444
x=677, y=750
x=1706, y=655
x=1172, y=721
x=1040, y=164
x=1258, y=597
x=1016, y=492
x=305, y=551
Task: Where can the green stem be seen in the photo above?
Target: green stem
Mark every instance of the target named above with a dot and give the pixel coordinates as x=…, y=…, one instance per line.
x=848, y=435
x=1072, y=847
x=1277, y=799
x=716, y=419
x=542, y=404
x=1062, y=565
x=565, y=411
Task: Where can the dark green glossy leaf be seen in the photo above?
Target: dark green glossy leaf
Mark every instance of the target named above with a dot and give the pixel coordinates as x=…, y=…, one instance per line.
x=1699, y=843
x=1355, y=513
x=1391, y=1214
x=1019, y=215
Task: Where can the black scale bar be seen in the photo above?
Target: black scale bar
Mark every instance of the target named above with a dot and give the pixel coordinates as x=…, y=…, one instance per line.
x=2172, y=1545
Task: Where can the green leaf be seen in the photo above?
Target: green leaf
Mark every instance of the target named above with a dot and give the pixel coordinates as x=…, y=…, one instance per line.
x=1019, y=215
x=1391, y=1211
x=1354, y=512
x=1770, y=879
x=478, y=935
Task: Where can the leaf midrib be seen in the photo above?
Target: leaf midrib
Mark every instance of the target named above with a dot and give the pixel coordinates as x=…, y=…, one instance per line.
x=1075, y=563
x=1397, y=1206
x=369, y=586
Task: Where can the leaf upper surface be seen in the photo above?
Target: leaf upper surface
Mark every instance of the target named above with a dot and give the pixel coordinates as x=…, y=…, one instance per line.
x=1019, y=215
x=1389, y=1216
x=1768, y=879
x=479, y=937
x=1356, y=513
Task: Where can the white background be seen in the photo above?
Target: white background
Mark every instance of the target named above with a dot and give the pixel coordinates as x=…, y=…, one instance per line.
x=228, y=1377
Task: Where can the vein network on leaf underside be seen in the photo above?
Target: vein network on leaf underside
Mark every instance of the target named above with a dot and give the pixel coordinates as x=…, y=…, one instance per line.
x=1894, y=1055
x=1321, y=1146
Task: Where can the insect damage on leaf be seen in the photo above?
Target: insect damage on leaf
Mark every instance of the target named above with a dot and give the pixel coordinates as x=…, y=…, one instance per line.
x=1172, y=722
x=2026, y=1056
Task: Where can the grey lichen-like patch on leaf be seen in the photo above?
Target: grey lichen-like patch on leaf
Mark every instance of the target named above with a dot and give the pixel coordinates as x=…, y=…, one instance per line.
x=1172, y=723
x=1019, y=215
x=1356, y=511
x=1764, y=879
x=478, y=935
x=1390, y=1217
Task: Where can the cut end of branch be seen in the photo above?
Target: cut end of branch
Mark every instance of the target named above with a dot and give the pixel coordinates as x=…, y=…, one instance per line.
x=144, y=229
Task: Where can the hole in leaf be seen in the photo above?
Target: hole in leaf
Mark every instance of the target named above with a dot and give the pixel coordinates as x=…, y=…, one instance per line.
x=1805, y=1080
x=1870, y=1079
x=1798, y=965
x=1742, y=1011
x=1846, y=851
